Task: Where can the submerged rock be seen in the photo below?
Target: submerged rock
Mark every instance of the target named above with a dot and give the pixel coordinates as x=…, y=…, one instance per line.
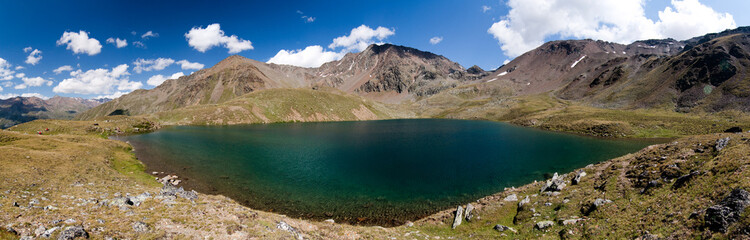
x=728, y=211
x=459, y=217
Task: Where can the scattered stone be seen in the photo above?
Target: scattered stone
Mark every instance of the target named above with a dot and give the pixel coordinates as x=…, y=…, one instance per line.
x=524, y=201
x=524, y=211
x=170, y=190
x=511, y=198
x=721, y=143
x=459, y=216
x=683, y=180
x=577, y=179
x=648, y=236
x=15, y=204
x=503, y=228
x=49, y=232
x=73, y=232
x=469, y=214
x=571, y=220
x=121, y=202
x=593, y=206
x=728, y=211
x=10, y=229
x=70, y=221
x=330, y=221
x=409, y=224
x=39, y=231
x=651, y=184
x=555, y=184
x=544, y=224
x=140, y=227
x=50, y=208
x=286, y=227
x=137, y=200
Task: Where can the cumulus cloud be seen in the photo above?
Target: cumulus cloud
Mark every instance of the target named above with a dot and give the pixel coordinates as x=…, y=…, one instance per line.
x=361, y=37
x=436, y=40
x=12, y=95
x=149, y=34
x=119, y=43
x=151, y=64
x=80, y=43
x=311, y=56
x=203, y=39
x=98, y=81
x=19, y=67
x=158, y=79
x=34, y=57
x=63, y=68
x=315, y=55
x=187, y=65
x=32, y=82
x=530, y=22
x=5, y=72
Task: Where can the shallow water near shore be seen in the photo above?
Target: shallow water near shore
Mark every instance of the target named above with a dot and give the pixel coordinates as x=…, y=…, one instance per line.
x=369, y=172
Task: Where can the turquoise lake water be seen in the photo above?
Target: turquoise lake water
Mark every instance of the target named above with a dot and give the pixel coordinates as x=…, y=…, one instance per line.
x=368, y=172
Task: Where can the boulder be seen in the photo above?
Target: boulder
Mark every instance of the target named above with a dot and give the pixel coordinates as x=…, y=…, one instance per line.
x=555, y=184
x=121, y=202
x=733, y=130
x=503, y=228
x=683, y=180
x=286, y=227
x=137, y=200
x=170, y=190
x=721, y=143
x=577, y=179
x=511, y=198
x=459, y=217
x=140, y=227
x=587, y=209
x=73, y=232
x=544, y=225
x=719, y=217
x=524, y=211
x=469, y=214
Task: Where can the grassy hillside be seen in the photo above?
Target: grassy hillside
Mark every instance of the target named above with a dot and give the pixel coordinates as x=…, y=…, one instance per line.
x=283, y=105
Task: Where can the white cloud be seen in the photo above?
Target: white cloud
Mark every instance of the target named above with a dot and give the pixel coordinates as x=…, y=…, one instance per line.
x=5, y=72
x=308, y=19
x=203, y=39
x=185, y=65
x=436, y=40
x=98, y=81
x=139, y=44
x=361, y=37
x=530, y=22
x=20, y=75
x=62, y=69
x=151, y=64
x=32, y=82
x=315, y=55
x=19, y=67
x=80, y=43
x=112, y=96
x=149, y=34
x=34, y=57
x=12, y=95
x=119, y=43
x=311, y=56
x=486, y=8
x=158, y=79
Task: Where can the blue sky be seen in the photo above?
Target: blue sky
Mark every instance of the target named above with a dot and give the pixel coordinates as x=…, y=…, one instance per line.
x=473, y=32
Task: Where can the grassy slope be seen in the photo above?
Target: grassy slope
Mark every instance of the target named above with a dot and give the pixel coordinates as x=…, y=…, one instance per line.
x=282, y=105
x=547, y=112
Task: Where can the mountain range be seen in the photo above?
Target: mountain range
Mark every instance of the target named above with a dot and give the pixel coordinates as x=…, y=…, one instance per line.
x=703, y=74
x=23, y=109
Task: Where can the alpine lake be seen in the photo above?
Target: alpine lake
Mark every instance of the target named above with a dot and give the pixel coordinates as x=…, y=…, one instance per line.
x=381, y=173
